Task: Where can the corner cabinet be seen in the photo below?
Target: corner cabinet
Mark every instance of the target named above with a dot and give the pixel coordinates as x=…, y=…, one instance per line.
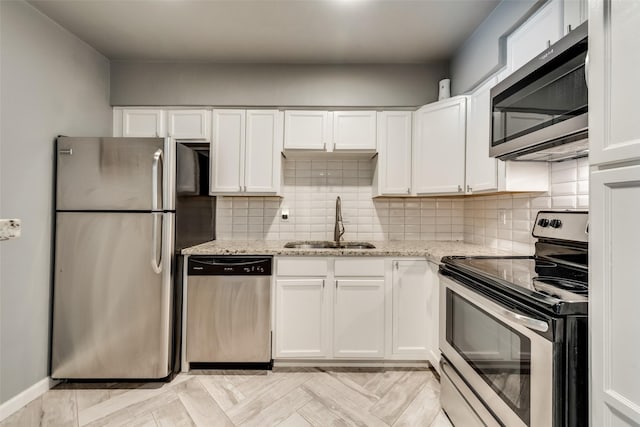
x=328, y=131
x=439, y=147
x=392, y=174
x=486, y=174
x=246, y=148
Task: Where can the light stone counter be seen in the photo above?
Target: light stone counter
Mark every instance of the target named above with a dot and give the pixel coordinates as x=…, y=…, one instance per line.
x=432, y=250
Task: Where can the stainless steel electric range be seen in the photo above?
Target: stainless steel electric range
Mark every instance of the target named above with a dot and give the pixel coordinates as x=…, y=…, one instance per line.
x=513, y=331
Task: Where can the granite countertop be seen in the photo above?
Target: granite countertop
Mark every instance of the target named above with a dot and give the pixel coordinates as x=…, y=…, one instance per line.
x=432, y=250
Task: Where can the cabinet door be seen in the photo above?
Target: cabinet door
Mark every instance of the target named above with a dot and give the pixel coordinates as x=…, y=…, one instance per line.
x=534, y=35
x=307, y=130
x=410, y=308
x=300, y=318
x=439, y=147
x=433, y=315
x=393, y=170
x=614, y=55
x=354, y=130
x=359, y=318
x=482, y=170
x=263, y=151
x=614, y=293
x=192, y=124
x=142, y=122
x=227, y=157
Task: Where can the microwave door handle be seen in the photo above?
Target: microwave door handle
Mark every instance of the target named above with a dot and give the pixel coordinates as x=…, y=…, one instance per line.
x=528, y=322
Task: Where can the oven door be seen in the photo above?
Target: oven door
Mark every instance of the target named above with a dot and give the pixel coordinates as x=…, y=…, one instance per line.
x=499, y=354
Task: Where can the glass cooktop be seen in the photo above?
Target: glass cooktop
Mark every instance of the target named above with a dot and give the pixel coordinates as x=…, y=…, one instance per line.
x=557, y=287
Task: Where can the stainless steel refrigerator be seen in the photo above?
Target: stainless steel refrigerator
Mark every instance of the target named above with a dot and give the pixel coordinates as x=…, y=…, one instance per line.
x=115, y=302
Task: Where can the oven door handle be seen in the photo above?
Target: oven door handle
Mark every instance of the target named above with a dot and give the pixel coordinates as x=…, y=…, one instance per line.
x=527, y=322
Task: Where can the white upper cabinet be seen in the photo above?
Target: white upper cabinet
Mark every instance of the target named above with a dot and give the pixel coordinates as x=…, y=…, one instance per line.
x=154, y=122
x=189, y=124
x=482, y=170
x=139, y=122
x=392, y=175
x=354, y=130
x=614, y=55
x=262, y=171
x=227, y=151
x=486, y=174
x=246, y=151
x=439, y=147
x=534, y=35
x=307, y=130
x=328, y=131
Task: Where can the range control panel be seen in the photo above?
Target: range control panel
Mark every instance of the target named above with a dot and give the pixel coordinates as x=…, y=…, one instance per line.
x=564, y=225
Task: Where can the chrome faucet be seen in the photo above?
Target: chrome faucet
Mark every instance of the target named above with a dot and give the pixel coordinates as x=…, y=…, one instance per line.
x=338, y=230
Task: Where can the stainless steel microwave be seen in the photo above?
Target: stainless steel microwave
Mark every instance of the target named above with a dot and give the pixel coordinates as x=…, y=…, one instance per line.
x=540, y=112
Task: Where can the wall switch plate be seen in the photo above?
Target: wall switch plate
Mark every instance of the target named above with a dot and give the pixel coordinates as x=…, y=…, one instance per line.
x=10, y=229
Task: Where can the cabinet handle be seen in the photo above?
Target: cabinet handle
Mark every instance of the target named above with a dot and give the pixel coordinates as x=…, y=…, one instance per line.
x=548, y=44
x=322, y=283
x=568, y=28
x=408, y=191
x=586, y=69
x=324, y=146
x=469, y=189
x=244, y=189
x=459, y=188
x=395, y=264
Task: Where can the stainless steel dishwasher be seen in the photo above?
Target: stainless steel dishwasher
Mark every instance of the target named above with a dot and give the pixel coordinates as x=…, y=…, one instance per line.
x=229, y=310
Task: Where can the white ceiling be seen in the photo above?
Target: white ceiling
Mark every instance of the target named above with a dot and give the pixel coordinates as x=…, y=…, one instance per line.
x=270, y=31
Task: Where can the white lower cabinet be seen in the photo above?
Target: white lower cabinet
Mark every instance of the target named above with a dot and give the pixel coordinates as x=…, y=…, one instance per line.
x=410, y=294
x=301, y=318
x=433, y=315
x=359, y=318
x=354, y=308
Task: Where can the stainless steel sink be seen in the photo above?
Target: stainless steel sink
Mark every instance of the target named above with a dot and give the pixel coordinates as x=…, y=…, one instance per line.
x=356, y=245
x=311, y=245
x=328, y=245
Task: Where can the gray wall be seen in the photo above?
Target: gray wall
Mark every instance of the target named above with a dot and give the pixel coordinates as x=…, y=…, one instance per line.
x=483, y=53
x=144, y=83
x=51, y=83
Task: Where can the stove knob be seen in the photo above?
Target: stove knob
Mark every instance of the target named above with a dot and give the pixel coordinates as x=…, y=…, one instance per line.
x=543, y=222
x=555, y=223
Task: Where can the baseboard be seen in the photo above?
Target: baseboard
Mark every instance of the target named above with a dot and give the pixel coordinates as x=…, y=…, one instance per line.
x=14, y=404
x=293, y=363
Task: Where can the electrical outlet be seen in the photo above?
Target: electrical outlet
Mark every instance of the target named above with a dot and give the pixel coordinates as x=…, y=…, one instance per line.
x=10, y=229
x=284, y=214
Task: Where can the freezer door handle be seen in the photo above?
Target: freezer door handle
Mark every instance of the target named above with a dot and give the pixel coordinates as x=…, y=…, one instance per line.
x=156, y=261
x=156, y=183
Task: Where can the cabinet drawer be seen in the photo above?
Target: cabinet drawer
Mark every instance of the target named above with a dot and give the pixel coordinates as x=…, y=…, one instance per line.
x=301, y=267
x=359, y=267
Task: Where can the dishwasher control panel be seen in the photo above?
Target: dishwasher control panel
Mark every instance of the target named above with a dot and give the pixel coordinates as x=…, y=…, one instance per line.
x=230, y=265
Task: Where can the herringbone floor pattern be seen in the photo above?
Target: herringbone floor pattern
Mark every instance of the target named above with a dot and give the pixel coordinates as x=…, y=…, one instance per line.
x=284, y=397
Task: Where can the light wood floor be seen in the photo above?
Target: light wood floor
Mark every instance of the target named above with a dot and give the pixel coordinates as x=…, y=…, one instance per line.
x=284, y=397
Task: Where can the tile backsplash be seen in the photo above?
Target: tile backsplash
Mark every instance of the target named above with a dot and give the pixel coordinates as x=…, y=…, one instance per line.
x=310, y=188
x=505, y=221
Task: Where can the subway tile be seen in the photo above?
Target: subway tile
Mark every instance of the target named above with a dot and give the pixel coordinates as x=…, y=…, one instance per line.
x=564, y=188
x=569, y=202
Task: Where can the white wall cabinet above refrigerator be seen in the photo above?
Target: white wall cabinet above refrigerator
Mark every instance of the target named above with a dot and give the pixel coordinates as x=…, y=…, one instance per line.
x=439, y=147
x=392, y=174
x=162, y=122
x=246, y=148
x=328, y=131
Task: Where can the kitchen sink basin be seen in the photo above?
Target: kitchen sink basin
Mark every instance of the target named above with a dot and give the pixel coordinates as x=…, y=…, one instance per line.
x=328, y=245
x=310, y=245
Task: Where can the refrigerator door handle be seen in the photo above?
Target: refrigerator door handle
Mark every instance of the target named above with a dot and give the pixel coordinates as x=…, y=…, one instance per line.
x=156, y=184
x=156, y=262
